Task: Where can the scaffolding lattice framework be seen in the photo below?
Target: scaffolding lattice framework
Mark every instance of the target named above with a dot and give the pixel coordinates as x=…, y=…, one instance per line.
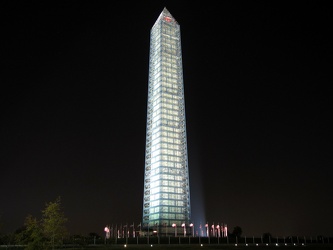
x=166, y=198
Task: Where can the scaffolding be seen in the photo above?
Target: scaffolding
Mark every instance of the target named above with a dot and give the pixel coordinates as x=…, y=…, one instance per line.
x=166, y=198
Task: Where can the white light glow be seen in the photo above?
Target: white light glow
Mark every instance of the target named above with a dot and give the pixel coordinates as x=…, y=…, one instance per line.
x=166, y=188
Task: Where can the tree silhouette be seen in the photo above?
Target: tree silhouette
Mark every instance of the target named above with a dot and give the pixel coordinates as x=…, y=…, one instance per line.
x=32, y=234
x=54, y=222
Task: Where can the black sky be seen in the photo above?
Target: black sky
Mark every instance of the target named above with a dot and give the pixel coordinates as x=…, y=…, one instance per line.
x=258, y=91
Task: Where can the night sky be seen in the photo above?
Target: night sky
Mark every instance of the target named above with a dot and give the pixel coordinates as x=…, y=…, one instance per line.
x=258, y=92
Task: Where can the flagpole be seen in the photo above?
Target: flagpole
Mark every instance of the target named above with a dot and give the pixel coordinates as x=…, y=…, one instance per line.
x=207, y=229
x=148, y=232
x=140, y=233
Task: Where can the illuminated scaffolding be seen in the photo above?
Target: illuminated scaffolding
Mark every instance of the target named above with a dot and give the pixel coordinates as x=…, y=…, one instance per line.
x=166, y=201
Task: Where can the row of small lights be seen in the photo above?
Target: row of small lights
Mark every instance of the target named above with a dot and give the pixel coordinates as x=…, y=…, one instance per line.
x=276, y=244
x=153, y=245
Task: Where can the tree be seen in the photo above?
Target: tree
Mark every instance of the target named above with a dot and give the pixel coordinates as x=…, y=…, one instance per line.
x=237, y=232
x=53, y=222
x=32, y=235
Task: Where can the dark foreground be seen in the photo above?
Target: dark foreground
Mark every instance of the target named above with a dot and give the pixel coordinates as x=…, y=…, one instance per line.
x=211, y=247
x=184, y=243
x=188, y=247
